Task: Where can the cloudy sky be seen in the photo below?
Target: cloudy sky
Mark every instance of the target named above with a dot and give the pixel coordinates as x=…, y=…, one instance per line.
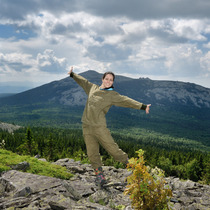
x=162, y=40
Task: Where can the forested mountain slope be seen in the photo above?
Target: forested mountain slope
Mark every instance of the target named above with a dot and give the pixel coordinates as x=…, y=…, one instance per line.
x=178, y=109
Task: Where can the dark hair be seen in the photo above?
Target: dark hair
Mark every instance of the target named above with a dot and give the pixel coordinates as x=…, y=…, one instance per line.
x=109, y=72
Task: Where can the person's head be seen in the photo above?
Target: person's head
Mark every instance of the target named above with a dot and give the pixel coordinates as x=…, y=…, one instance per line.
x=108, y=79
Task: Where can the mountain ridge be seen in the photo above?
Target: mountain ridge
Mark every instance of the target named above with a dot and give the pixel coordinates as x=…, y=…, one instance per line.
x=67, y=92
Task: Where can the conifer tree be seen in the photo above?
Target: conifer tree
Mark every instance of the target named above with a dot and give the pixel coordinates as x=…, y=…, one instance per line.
x=28, y=146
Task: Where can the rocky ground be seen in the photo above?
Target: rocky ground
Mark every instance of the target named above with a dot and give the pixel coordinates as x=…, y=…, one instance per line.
x=19, y=190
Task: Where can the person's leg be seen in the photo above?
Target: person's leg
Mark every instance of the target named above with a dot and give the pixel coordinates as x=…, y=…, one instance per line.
x=92, y=147
x=108, y=143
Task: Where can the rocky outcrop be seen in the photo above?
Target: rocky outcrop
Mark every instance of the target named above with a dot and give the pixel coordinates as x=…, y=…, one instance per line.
x=9, y=127
x=188, y=194
x=180, y=93
x=28, y=191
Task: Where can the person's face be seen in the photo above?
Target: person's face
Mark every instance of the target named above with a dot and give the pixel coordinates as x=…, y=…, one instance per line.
x=107, y=81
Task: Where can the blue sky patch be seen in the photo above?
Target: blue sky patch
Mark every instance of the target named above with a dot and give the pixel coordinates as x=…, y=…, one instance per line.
x=8, y=31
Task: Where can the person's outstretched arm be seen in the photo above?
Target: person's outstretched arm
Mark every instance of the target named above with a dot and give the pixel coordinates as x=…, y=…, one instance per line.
x=84, y=83
x=124, y=101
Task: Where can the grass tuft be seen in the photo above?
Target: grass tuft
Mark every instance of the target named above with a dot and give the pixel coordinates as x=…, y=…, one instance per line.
x=38, y=167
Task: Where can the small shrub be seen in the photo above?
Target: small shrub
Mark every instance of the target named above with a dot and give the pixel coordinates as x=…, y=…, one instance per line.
x=146, y=190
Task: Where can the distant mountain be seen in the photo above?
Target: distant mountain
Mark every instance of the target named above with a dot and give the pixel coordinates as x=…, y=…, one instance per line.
x=3, y=95
x=159, y=93
x=13, y=89
x=178, y=108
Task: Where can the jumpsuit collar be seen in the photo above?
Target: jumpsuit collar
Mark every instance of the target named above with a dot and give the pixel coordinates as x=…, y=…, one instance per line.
x=111, y=88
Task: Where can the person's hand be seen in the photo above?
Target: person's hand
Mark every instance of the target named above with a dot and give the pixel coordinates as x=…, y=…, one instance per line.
x=71, y=69
x=147, y=109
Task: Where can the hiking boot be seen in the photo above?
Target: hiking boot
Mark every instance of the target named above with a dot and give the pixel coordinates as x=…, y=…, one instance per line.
x=100, y=179
x=126, y=163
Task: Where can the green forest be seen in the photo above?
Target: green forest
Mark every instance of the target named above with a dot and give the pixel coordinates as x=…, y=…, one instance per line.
x=176, y=156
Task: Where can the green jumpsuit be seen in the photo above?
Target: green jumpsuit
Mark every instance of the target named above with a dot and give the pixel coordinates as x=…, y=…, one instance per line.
x=95, y=130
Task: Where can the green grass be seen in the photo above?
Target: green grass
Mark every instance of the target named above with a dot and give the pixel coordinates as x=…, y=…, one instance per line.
x=38, y=167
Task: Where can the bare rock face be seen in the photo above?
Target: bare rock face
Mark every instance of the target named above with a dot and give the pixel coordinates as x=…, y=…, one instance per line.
x=29, y=191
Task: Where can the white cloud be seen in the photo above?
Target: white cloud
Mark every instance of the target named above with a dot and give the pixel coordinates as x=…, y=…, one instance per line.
x=19, y=64
x=50, y=63
x=15, y=62
x=169, y=40
x=205, y=61
x=207, y=45
x=191, y=29
x=184, y=61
